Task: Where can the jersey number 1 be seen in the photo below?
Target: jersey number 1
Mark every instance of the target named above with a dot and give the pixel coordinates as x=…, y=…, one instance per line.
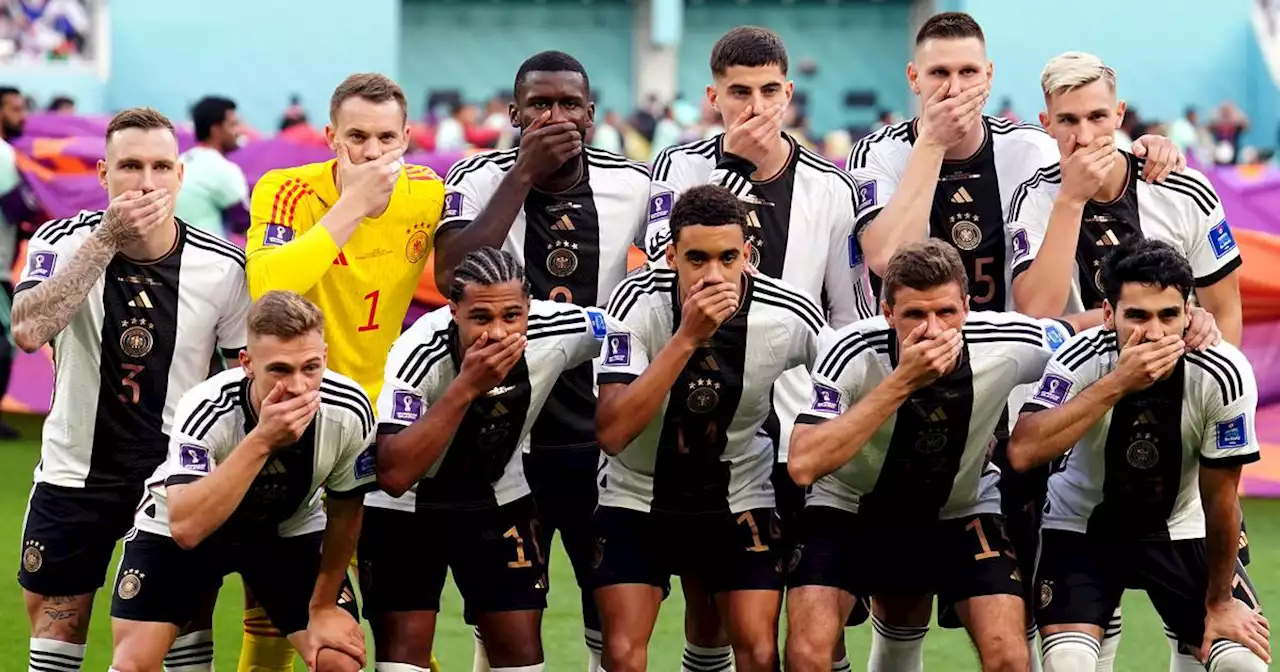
x=373, y=312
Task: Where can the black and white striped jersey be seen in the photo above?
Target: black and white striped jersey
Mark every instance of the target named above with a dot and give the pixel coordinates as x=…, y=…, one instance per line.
x=969, y=204
x=334, y=456
x=1183, y=211
x=483, y=465
x=574, y=248
x=800, y=229
x=703, y=450
x=1135, y=474
x=145, y=335
x=930, y=459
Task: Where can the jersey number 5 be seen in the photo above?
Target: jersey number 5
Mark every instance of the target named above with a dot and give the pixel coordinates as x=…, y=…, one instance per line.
x=372, y=297
x=981, y=277
x=134, y=392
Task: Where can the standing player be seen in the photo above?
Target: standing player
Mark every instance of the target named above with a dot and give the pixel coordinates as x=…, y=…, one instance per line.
x=570, y=216
x=251, y=451
x=136, y=304
x=685, y=387
x=464, y=386
x=352, y=235
x=895, y=447
x=1149, y=439
x=800, y=226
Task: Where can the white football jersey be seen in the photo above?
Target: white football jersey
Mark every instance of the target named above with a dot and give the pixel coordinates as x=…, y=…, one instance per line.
x=1136, y=471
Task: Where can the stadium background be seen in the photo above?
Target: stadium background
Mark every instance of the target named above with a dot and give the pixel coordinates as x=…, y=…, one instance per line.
x=648, y=64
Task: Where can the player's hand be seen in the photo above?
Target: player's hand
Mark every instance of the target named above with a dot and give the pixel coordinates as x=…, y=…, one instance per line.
x=706, y=308
x=544, y=147
x=1234, y=620
x=282, y=421
x=753, y=133
x=1143, y=363
x=1163, y=157
x=1202, y=332
x=133, y=215
x=924, y=360
x=370, y=184
x=945, y=121
x=487, y=362
x=1084, y=170
x=333, y=628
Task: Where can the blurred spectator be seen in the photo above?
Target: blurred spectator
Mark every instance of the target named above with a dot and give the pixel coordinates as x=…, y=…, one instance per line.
x=608, y=135
x=1128, y=128
x=37, y=30
x=451, y=132
x=1227, y=127
x=16, y=207
x=214, y=190
x=886, y=118
x=665, y=133
x=293, y=115
x=496, y=115
x=13, y=113
x=1006, y=111
x=645, y=118
x=62, y=105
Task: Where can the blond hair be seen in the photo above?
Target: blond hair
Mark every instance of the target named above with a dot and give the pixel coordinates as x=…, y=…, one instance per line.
x=370, y=86
x=285, y=315
x=1074, y=69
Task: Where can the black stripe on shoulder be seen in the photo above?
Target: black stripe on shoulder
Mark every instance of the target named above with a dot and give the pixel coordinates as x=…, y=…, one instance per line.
x=504, y=159
x=1095, y=346
x=630, y=290
x=1010, y=127
x=662, y=164
x=1222, y=370
x=1214, y=372
x=421, y=355
x=841, y=354
x=821, y=164
x=352, y=393
x=53, y=231
x=233, y=253
x=331, y=398
x=608, y=160
x=1047, y=175
x=1003, y=339
x=1204, y=199
x=1200, y=185
x=779, y=297
x=1234, y=379
x=573, y=320
x=983, y=327
x=209, y=410
x=550, y=331
x=206, y=237
x=862, y=149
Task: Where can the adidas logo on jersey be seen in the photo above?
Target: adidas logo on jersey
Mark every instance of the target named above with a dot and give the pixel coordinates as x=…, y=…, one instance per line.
x=1145, y=418
x=753, y=220
x=274, y=468
x=563, y=224
x=141, y=301
x=709, y=364
x=498, y=410
x=961, y=196
x=1108, y=238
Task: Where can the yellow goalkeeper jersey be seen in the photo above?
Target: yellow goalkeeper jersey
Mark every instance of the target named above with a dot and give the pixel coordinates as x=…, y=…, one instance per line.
x=364, y=287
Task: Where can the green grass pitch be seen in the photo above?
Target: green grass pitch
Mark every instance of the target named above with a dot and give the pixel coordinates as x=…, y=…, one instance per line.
x=1143, y=647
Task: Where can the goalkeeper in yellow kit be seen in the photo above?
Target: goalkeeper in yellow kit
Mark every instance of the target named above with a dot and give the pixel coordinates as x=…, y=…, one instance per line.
x=352, y=235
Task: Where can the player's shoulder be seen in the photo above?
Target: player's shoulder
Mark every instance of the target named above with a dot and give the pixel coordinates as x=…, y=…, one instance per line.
x=1087, y=346
x=218, y=250
x=601, y=160
x=1046, y=181
x=699, y=152
x=423, y=186
x=1225, y=368
x=550, y=321
x=222, y=384
x=996, y=327
x=294, y=177
x=493, y=162
x=1014, y=133
x=69, y=229
x=429, y=326
x=421, y=347
x=866, y=338
x=211, y=402
x=647, y=288
x=840, y=181
x=1186, y=186
x=784, y=302
x=343, y=398
x=891, y=141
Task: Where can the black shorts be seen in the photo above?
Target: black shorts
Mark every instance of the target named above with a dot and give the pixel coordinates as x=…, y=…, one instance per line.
x=728, y=551
x=564, y=487
x=70, y=534
x=494, y=554
x=1022, y=496
x=158, y=581
x=954, y=559
x=1080, y=579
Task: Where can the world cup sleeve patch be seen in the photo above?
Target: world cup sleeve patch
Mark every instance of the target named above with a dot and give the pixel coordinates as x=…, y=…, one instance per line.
x=277, y=234
x=452, y=204
x=866, y=194
x=1021, y=246
x=855, y=251
x=826, y=399
x=1233, y=434
x=408, y=406
x=41, y=265
x=367, y=463
x=1221, y=240
x=660, y=206
x=196, y=458
x=618, y=350
x=1053, y=390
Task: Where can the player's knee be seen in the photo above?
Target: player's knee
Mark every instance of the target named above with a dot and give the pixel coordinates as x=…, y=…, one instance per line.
x=807, y=651
x=332, y=660
x=623, y=653
x=760, y=655
x=1006, y=655
x=1070, y=652
x=1227, y=656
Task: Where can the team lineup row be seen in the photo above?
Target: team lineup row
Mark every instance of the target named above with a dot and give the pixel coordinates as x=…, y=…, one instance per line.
x=735, y=438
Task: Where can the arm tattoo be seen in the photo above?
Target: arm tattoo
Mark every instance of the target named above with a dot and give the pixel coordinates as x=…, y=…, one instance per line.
x=43, y=311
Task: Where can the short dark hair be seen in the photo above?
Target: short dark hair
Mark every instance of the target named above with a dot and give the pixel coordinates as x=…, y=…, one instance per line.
x=550, y=61
x=949, y=26
x=209, y=112
x=9, y=91
x=1146, y=262
x=922, y=266
x=144, y=118
x=707, y=205
x=370, y=86
x=486, y=266
x=750, y=47
x=60, y=102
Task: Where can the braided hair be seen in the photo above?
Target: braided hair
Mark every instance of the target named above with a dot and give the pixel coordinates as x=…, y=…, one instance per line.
x=486, y=266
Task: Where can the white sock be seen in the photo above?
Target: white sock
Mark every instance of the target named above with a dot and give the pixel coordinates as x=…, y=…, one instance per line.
x=707, y=659
x=397, y=667
x=1179, y=661
x=1110, y=643
x=896, y=647
x=842, y=665
x=481, y=661
x=595, y=648
x=192, y=652
x=1228, y=656
x=51, y=655
x=1033, y=651
x=1070, y=652
x=526, y=668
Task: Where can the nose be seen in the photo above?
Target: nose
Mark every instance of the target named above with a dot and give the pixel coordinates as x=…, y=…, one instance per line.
x=296, y=384
x=497, y=333
x=956, y=86
x=148, y=181
x=371, y=149
x=558, y=114
x=1085, y=135
x=935, y=328
x=714, y=275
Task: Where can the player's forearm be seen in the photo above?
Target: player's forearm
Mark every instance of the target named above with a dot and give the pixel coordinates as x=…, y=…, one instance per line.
x=1042, y=289
x=1086, y=320
x=404, y=458
x=341, y=531
x=299, y=264
x=905, y=218
x=818, y=450
x=1222, y=300
x=42, y=312
x=1218, y=495
x=488, y=229
x=198, y=509
x=1041, y=437
x=623, y=411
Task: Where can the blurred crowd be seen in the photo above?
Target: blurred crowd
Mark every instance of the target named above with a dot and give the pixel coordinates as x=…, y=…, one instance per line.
x=33, y=31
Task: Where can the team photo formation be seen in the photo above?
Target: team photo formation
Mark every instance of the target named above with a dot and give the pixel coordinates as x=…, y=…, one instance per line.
x=984, y=375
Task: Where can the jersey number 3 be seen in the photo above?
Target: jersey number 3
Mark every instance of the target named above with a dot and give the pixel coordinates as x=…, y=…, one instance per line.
x=371, y=325
x=132, y=392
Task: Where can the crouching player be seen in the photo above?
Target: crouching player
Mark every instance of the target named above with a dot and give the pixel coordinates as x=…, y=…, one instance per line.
x=1147, y=439
x=463, y=387
x=250, y=452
